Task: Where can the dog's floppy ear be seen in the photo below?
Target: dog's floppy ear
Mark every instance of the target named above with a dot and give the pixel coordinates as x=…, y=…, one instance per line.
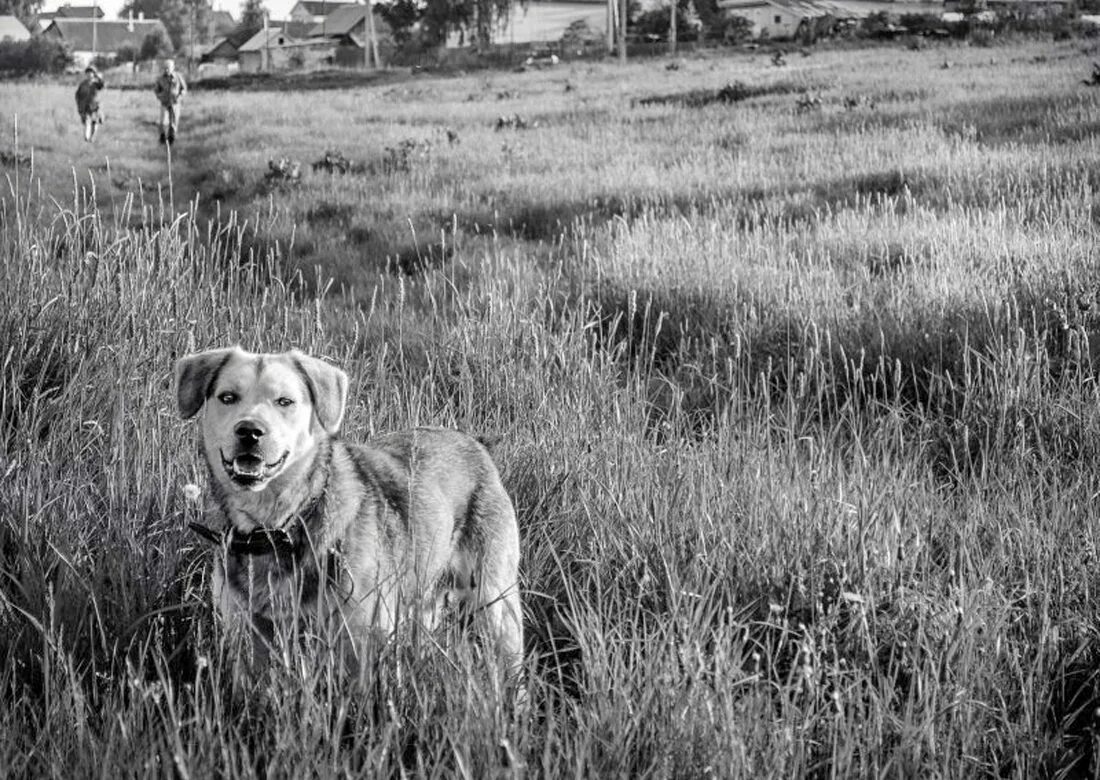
x=328, y=389
x=195, y=375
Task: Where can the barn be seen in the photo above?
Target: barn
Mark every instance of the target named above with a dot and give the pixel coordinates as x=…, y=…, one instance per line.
x=88, y=38
x=348, y=28
x=274, y=49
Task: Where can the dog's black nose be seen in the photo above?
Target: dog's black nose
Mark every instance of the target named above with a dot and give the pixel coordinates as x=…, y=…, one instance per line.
x=249, y=431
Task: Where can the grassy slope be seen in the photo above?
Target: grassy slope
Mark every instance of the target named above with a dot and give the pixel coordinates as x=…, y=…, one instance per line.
x=797, y=408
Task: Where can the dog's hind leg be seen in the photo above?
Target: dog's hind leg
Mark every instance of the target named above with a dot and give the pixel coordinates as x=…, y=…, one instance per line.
x=504, y=623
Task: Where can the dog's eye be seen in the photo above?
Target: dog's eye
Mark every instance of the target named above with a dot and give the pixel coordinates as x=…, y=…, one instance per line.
x=285, y=402
x=228, y=398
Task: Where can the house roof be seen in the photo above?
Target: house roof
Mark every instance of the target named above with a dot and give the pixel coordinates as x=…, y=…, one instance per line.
x=228, y=46
x=343, y=21
x=272, y=36
x=108, y=35
x=801, y=8
x=11, y=29
x=78, y=12
x=239, y=36
x=319, y=8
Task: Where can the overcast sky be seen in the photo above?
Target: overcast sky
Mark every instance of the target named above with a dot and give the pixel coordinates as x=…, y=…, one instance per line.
x=279, y=9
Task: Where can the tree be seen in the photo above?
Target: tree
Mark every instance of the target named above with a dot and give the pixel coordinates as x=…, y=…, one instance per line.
x=478, y=19
x=126, y=52
x=37, y=56
x=176, y=16
x=24, y=10
x=155, y=46
x=735, y=29
x=401, y=16
x=253, y=13
x=657, y=22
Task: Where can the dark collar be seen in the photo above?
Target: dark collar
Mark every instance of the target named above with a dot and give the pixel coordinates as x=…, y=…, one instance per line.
x=259, y=541
x=280, y=542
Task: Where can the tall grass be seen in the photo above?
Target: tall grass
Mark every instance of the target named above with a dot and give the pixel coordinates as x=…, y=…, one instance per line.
x=802, y=457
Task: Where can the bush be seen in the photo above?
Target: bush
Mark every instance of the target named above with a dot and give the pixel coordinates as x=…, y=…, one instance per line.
x=155, y=46
x=127, y=52
x=878, y=25
x=655, y=23
x=982, y=36
x=34, y=57
x=579, y=36
x=735, y=29
x=402, y=16
x=922, y=24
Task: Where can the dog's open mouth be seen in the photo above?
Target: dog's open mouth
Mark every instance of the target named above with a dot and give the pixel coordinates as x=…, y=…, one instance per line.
x=251, y=470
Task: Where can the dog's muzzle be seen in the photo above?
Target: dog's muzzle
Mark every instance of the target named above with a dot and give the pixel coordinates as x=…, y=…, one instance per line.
x=250, y=470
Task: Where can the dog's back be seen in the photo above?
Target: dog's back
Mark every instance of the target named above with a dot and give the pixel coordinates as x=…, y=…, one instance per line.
x=440, y=514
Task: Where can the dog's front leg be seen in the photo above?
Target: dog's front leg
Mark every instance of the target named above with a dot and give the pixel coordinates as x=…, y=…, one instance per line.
x=247, y=637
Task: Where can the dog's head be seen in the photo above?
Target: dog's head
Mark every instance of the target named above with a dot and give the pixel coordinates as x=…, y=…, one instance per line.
x=262, y=414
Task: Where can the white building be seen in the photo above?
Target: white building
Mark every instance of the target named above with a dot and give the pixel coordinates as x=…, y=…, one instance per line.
x=541, y=22
x=11, y=29
x=783, y=18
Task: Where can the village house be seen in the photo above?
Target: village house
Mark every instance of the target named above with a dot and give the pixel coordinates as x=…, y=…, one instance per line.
x=68, y=11
x=784, y=19
x=12, y=30
x=225, y=52
x=546, y=22
x=273, y=49
x=1017, y=8
x=348, y=28
x=88, y=38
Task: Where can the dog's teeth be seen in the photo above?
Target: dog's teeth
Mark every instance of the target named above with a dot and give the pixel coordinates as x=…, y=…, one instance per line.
x=248, y=469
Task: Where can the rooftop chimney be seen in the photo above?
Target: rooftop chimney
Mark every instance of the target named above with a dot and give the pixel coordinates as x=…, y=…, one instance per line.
x=130, y=24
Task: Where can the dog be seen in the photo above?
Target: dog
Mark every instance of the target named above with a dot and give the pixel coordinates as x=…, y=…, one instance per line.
x=405, y=527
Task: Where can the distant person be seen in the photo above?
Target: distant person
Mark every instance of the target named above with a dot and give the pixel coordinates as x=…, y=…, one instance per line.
x=170, y=89
x=87, y=102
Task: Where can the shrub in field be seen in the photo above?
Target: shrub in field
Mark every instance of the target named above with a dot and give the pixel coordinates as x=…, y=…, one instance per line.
x=734, y=92
x=400, y=157
x=982, y=36
x=38, y=56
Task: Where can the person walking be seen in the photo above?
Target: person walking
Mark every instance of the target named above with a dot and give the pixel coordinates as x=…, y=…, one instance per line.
x=170, y=89
x=87, y=102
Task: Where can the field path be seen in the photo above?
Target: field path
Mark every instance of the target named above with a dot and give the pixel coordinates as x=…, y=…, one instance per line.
x=125, y=170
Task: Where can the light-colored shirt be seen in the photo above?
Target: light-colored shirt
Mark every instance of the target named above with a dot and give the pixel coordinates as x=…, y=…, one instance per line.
x=170, y=87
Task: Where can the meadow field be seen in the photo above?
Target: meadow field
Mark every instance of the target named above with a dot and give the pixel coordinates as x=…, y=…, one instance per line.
x=795, y=393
